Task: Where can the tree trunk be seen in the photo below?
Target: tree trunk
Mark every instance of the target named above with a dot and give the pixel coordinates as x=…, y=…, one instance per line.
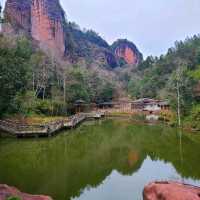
x=44, y=91
x=64, y=88
x=33, y=81
x=178, y=104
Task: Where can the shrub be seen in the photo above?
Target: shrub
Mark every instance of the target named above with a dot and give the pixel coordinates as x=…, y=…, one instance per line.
x=139, y=117
x=13, y=198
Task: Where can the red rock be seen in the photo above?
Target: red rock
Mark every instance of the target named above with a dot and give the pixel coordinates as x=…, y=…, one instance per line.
x=17, y=13
x=127, y=54
x=47, y=27
x=7, y=191
x=170, y=191
x=43, y=20
x=128, y=51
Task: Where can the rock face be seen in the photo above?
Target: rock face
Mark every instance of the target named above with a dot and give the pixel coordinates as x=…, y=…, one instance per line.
x=126, y=50
x=42, y=19
x=7, y=191
x=47, y=24
x=18, y=13
x=171, y=191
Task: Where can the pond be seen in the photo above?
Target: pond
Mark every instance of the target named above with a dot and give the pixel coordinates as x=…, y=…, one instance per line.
x=101, y=160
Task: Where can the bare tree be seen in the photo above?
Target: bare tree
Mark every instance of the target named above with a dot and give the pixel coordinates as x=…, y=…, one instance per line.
x=179, y=80
x=178, y=83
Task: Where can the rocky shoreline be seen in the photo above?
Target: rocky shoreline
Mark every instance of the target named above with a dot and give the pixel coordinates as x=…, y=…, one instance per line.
x=7, y=192
x=153, y=191
x=170, y=191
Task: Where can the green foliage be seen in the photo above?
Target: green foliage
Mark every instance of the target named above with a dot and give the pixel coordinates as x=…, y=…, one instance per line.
x=24, y=103
x=33, y=82
x=14, y=68
x=77, y=87
x=193, y=120
x=94, y=37
x=88, y=86
x=139, y=117
x=13, y=198
x=158, y=76
x=195, y=74
x=43, y=107
x=107, y=92
x=82, y=43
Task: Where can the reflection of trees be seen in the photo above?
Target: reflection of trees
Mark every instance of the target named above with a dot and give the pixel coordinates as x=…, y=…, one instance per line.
x=169, y=148
x=64, y=166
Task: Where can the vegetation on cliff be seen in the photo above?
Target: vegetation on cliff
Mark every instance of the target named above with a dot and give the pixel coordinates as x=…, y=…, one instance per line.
x=45, y=23
x=36, y=81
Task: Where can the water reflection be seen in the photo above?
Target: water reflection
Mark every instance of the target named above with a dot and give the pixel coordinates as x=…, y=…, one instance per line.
x=107, y=160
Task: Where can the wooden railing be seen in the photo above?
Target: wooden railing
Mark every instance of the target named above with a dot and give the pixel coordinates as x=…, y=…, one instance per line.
x=18, y=129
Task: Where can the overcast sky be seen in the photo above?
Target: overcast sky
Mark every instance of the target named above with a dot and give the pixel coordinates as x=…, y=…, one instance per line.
x=153, y=25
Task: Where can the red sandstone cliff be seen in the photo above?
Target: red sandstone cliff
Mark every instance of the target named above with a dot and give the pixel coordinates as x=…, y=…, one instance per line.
x=124, y=49
x=42, y=19
x=126, y=53
x=47, y=25
x=18, y=14
x=7, y=191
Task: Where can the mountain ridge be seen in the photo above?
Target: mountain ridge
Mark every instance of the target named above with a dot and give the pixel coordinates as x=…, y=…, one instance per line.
x=45, y=22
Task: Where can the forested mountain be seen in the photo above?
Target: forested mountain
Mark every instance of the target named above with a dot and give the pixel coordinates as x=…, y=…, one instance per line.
x=54, y=63
x=158, y=77
x=57, y=62
x=45, y=23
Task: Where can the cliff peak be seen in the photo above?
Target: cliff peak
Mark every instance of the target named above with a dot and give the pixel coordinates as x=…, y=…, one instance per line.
x=44, y=21
x=126, y=50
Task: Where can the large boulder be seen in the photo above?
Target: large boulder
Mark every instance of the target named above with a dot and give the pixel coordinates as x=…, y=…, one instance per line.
x=170, y=191
x=7, y=191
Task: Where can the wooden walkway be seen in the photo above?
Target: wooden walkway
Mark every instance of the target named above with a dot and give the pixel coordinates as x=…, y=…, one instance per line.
x=46, y=130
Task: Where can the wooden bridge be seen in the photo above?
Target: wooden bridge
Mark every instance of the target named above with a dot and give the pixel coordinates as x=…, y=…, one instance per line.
x=46, y=130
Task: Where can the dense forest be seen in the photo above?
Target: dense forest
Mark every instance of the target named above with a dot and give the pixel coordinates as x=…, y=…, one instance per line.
x=34, y=83
x=158, y=77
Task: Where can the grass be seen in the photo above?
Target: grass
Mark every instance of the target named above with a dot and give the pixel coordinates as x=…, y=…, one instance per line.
x=120, y=114
x=13, y=198
x=35, y=119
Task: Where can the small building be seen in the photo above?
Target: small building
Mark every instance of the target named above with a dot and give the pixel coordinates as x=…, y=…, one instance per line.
x=164, y=105
x=80, y=106
x=150, y=105
x=140, y=104
x=152, y=108
x=120, y=105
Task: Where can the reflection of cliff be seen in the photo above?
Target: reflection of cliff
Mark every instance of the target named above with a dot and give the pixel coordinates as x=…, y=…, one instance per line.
x=65, y=177
x=64, y=166
x=68, y=164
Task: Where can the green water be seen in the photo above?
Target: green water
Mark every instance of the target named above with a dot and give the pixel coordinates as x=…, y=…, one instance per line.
x=102, y=160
